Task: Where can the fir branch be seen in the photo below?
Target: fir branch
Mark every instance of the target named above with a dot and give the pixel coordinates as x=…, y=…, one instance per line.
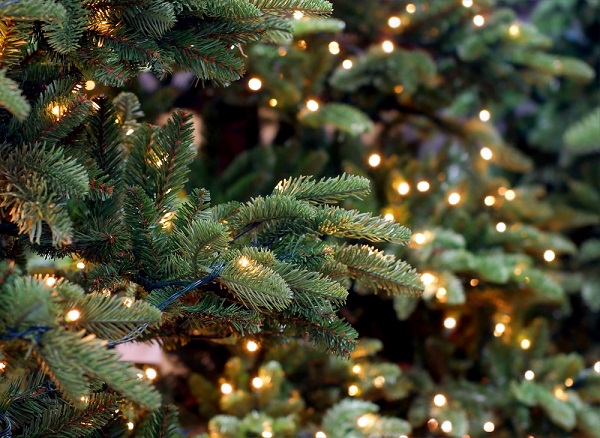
x=304, y=282
x=312, y=8
x=194, y=209
x=11, y=97
x=32, y=10
x=213, y=311
x=152, y=17
x=584, y=136
x=163, y=423
x=64, y=36
x=326, y=190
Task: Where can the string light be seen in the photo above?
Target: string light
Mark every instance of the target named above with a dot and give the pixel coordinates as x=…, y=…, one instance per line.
x=486, y=153
x=151, y=373
x=2, y=366
x=50, y=281
x=597, y=367
x=569, y=382
x=387, y=46
x=447, y=426
x=302, y=44
x=499, y=329
x=514, y=30
x=129, y=132
x=140, y=376
x=549, y=255
x=501, y=227
x=365, y=420
x=251, y=346
x=320, y=434
x=410, y=8
x=128, y=302
x=254, y=84
x=267, y=434
x=356, y=369
x=432, y=424
x=529, y=375
x=450, y=322
x=423, y=186
x=525, y=344
x=427, y=278
x=56, y=110
x=374, y=160
x=439, y=400
x=90, y=85
x=484, y=115
x=403, y=188
x=130, y=425
x=347, y=64
x=244, y=262
x=474, y=282
x=467, y=3
x=379, y=381
x=478, y=20
x=389, y=217
x=273, y=102
x=453, y=198
x=398, y=89
x=489, y=426
x=226, y=388
x=298, y=15
x=353, y=390
x=489, y=201
x=561, y=394
x=394, y=22
x=312, y=105
x=257, y=382
x=281, y=51
x=80, y=265
x=419, y=238
x=441, y=294
x=509, y=195
x=334, y=48
x=72, y=315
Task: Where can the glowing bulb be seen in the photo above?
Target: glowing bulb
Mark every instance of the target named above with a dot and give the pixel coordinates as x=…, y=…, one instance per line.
x=320, y=434
x=298, y=15
x=251, y=346
x=478, y=20
x=514, y=30
x=439, y=400
x=422, y=186
x=363, y=421
x=489, y=426
x=72, y=315
x=129, y=132
x=273, y=102
x=254, y=84
x=410, y=8
x=334, y=48
x=484, y=115
x=352, y=390
x=347, y=64
x=389, y=217
x=312, y=105
x=374, y=160
x=489, y=201
x=130, y=425
x=597, y=367
x=403, y=188
x=50, y=281
x=56, y=110
x=501, y=227
x=561, y=394
x=486, y=153
x=419, y=238
x=128, y=302
x=467, y=3
x=151, y=373
x=356, y=369
x=447, y=426
x=509, y=195
x=569, y=382
x=441, y=293
x=453, y=198
x=394, y=22
x=140, y=376
x=474, y=282
x=90, y=85
x=428, y=278
x=244, y=262
x=398, y=89
x=549, y=255
x=450, y=322
x=432, y=424
x=226, y=388
x=379, y=381
x=80, y=265
x=257, y=382
x=499, y=329
x=2, y=366
x=387, y=46
x=267, y=434
x=525, y=344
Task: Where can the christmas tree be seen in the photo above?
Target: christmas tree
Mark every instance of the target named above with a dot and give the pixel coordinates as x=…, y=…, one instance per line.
x=99, y=247
x=478, y=125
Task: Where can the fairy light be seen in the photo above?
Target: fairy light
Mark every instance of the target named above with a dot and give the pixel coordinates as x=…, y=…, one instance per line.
x=514, y=30
x=478, y=20
x=422, y=186
x=226, y=388
x=403, y=188
x=334, y=48
x=129, y=132
x=525, y=344
x=499, y=329
x=128, y=302
x=130, y=425
x=320, y=434
x=447, y=426
x=453, y=198
x=419, y=238
x=467, y=3
x=561, y=394
x=450, y=322
x=254, y=84
x=379, y=381
x=432, y=424
x=474, y=282
x=549, y=255
x=151, y=373
x=80, y=265
x=353, y=390
x=374, y=160
x=427, y=278
x=72, y=315
x=298, y=15
x=410, y=8
x=267, y=434
x=347, y=64
x=356, y=369
x=509, y=195
x=273, y=102
x=439, y=400
x=529, y=375
x=441, y=294
x=387, y=46
x=569, y=382
x=394, y=22
x=90, y=85
x=597, y=367
x=489, y=201
x=50, y=281
x=312, y=105
x=489, y=426
x=2, y=366
x=398, y=89
x=244, y=262
x=389, y=217
x=257, y=382
x=140, y=376
x=484, y=115
x=251, y=346
x=281, y=51
x=501, y=227
x=486, y=153
x=363, y=421
x=56, y=110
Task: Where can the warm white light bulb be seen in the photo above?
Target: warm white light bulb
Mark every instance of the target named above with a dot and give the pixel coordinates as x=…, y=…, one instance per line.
x=387, y=46
x=374, y=160
x=273, y=102
x=597, y=367
x=379, y=381
x=257, y=382
x=467, y=3
x=489, y=426
x=501, y=227
x=352, y=390
x=447, y=426
x=80, y=265
x=529, y=375
x=50, y=281
x=356, y=369
x=499, y=329
x=525, y=344
x=510, y=195
x=394, y=22
x=151, y=373
x=439, y=400
x=298, y=15
x=403, y=188
x=453, y=198
x=320, y=434
x=419, y=238
x=226, y=388
x=251, y=346
x=90, y=85
x=478, y=20
x=130, y=425
x=422, y=186
x=450, y=322
x=72, y=315
x=569, y=382
x=486, y=153
x=489, y=201
x=389, y=217
x=244, y=262
x=267, y=434
x=427, y=278
x=347, y=64
x=254, y=84
x=410, y=8
x=514, y=30
x=484, y=115
x=363, y=421
x=549, y=255
x=312, y=105
x=334, y=48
